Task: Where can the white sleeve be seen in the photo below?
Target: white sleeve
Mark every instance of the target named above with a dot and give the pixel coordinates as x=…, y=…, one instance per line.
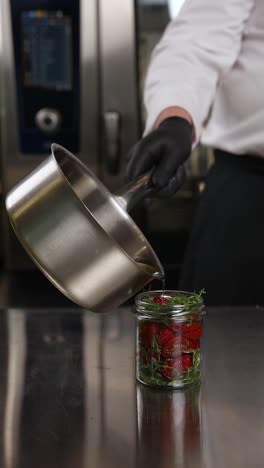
x=198, y=47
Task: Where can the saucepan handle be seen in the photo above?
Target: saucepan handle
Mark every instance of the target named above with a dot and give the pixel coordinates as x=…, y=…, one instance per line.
x=134, y=192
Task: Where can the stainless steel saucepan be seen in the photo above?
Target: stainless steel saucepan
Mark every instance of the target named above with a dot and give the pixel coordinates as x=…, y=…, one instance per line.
x=80, y=235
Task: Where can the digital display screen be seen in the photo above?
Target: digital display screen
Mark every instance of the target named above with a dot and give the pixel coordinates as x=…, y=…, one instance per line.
x=47, y=49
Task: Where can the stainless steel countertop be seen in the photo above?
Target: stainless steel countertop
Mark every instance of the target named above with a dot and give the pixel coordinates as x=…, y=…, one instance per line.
x=68, y=396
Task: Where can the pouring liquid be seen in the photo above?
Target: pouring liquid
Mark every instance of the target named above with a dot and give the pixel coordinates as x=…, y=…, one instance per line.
x=160, y=276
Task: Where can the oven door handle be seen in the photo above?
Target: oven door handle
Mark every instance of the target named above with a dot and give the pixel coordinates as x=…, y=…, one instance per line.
x=112, y=141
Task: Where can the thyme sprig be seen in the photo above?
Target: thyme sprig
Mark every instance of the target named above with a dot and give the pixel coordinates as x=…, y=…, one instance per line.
x=187, y=302
x=151, y=372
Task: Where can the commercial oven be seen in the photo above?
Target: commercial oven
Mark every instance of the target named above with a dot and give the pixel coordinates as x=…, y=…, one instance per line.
x=72, y=72
x=43, y=66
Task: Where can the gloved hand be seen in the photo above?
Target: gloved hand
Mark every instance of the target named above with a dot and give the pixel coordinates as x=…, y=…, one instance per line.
x=164, y=150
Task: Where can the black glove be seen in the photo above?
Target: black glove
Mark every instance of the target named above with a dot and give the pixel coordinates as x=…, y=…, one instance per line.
x=164, y=150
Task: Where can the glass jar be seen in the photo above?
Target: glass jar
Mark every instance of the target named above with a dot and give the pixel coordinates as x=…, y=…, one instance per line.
x=169, y=328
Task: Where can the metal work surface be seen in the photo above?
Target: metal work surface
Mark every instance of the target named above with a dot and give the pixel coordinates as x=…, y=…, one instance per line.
x=68, y=396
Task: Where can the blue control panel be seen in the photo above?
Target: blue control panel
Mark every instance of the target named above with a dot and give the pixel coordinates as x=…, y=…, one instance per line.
x=46, y=37
x=47, y=49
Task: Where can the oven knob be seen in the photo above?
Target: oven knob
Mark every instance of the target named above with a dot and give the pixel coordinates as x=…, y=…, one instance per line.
x=48, y=120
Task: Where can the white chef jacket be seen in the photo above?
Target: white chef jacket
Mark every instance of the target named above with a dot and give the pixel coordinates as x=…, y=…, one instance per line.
x=210, y=61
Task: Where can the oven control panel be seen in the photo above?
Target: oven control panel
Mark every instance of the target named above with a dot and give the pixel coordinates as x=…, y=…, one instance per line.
x=47, y=49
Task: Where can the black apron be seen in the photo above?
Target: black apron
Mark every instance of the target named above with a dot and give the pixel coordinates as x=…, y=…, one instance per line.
x=225, y=253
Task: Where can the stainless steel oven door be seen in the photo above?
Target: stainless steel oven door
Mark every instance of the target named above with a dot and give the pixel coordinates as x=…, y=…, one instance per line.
x=18, y=25
x=119, y=87
x=128, y=32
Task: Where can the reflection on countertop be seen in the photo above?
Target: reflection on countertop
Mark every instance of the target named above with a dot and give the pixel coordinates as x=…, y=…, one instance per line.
x=171, y=421
x=68, y=395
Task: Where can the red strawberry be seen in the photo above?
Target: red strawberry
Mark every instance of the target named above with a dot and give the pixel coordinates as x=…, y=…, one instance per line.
x=157, y=299
x=177, y=367
x=164, y=337
x=160, y=300
x=147, y=332
x=195, y=344
x=176, y=328
x=172, y=348
x=164, y=301
x=193, y=330
x=188, y=345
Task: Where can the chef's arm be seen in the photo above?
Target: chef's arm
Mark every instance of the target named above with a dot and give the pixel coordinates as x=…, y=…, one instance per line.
x=198, y=47
x=196, y=51
x=175, y=111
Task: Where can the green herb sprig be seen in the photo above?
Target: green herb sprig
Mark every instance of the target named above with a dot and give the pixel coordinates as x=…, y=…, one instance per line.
x=186, y=302
x=150, y=373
